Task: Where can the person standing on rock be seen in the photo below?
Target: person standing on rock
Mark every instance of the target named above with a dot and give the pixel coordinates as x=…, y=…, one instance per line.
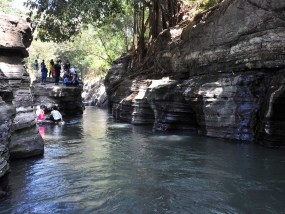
x=36, y=66
x=44, y=74
x=51, y=68
x=43, y=64
x=57, y=68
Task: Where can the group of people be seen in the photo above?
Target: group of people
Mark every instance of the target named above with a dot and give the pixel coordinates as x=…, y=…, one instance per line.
x=69, y=77
x=55, y=115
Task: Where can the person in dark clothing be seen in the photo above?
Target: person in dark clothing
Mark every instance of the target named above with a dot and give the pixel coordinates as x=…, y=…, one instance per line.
x=66, y=66
x=57, y=68
x=74, y=80
x=44, y=74
x=43, y=64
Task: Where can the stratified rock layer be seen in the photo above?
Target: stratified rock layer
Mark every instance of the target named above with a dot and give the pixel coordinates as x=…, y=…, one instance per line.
x=224, y=76
x=67, y=98
x=7, y=114
x=94, y=93
x=16, y=36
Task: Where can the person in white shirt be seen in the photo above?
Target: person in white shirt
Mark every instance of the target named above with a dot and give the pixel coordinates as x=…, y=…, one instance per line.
x=55, y=115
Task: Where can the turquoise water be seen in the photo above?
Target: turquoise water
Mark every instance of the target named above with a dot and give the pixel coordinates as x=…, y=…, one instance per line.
x=94, y=165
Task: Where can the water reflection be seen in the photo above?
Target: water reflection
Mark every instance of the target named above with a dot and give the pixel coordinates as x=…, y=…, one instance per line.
x=93, y=165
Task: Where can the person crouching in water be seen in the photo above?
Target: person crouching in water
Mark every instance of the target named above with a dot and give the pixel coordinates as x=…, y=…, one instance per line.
x=40, y=113
x=55, y=115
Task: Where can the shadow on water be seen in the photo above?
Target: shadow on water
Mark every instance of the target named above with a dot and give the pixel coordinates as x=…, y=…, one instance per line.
x=94, y=165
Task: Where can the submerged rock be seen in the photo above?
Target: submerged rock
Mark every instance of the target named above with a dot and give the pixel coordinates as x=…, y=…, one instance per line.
x=224, y=77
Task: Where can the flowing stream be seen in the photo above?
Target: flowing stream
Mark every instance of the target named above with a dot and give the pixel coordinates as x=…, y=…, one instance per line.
x=93, y=164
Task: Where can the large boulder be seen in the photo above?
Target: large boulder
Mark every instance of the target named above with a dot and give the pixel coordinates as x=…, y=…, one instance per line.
x=67, y=98
x=16, y=34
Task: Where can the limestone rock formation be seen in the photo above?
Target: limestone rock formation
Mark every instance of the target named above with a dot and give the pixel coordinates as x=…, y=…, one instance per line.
x=16, y=37
x=67, y=98
x=7, y=114
x=94, y=93
x=223, y=77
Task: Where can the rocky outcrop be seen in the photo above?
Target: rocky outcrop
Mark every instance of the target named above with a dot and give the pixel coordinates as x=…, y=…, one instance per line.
x=16, y=37
x=223, y=77
x=94, y=93
x=67, y=98
x=7, y=114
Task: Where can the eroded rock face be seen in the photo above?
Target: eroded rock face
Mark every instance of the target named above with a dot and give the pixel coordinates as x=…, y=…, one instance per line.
x=7, y=114
x=225, y=76
x=16, y=36
x=67, y=98
x=94, y=93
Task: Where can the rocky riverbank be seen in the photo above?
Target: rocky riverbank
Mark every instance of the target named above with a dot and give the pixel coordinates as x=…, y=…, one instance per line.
x=19, y=134
x=223, y=74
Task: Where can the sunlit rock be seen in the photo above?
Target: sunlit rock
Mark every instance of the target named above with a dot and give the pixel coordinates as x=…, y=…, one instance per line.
x=15, y=38
x=225, y=76
x=94, y=93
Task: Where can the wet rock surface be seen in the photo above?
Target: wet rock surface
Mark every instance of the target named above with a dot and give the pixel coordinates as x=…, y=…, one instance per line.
x=224, y=77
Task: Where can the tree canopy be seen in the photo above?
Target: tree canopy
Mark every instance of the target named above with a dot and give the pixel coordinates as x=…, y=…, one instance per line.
x=59, y=20
x=117, y=26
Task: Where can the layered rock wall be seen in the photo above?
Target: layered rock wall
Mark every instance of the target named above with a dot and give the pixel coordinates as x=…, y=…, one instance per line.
x=16, y=36
x=67, y=98
x=94, y=93
x=225, y=75
x=7, y=114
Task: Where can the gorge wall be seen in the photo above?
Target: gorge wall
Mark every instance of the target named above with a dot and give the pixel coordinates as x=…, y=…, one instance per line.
x=19, y=135
x=223, y=75
x=94, y=93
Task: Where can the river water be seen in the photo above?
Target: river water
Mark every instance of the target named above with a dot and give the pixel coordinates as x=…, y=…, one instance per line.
x=94, y=165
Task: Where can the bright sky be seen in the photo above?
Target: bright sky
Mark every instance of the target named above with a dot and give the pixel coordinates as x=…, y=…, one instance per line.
x=18, y=4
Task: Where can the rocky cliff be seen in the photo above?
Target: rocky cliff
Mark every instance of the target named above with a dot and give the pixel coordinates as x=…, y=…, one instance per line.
x=19, y=135
x=7, y=114
x=222, y=75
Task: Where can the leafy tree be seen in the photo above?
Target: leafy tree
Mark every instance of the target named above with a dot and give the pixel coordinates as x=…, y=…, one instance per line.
x=59, y=20
x=119, y=26
x=7, y=6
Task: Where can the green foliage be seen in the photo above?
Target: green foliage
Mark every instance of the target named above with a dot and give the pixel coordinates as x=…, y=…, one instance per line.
x=59, y=20
x=204, y=4
x=8, y=6
x=91, y=52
